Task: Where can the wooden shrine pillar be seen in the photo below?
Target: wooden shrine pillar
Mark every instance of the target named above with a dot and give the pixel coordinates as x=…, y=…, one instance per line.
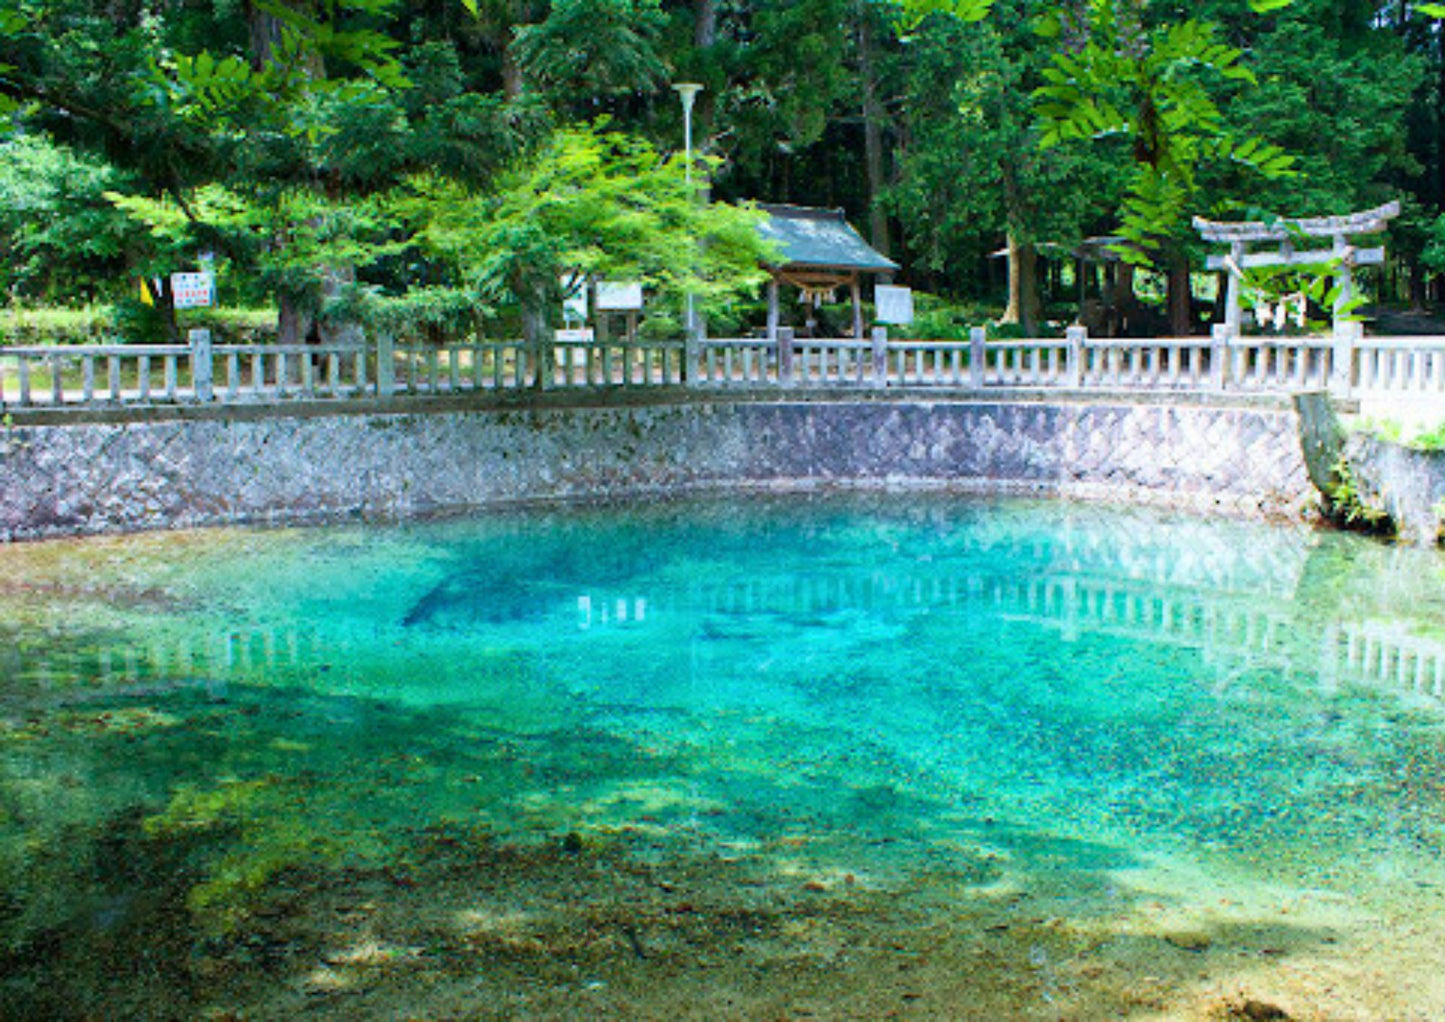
x=856, y=287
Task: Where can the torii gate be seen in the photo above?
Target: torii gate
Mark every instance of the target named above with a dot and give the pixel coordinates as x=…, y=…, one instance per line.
x=1337, y=228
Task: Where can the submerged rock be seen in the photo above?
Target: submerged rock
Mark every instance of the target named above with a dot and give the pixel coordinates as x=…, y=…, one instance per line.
x=1189, y=940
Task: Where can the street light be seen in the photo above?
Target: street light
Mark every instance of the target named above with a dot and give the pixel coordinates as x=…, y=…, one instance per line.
x=688, y=91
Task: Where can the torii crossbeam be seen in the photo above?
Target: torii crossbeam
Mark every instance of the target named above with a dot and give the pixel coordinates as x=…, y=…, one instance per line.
x=1238, y=235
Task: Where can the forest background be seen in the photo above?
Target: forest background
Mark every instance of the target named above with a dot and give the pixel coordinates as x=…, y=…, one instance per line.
x=447, y=166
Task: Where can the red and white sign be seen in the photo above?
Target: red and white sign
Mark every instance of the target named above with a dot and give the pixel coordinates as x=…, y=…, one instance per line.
x=193, y=290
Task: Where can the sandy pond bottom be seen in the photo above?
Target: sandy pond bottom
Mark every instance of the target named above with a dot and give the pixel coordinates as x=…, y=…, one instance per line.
x=824, y=758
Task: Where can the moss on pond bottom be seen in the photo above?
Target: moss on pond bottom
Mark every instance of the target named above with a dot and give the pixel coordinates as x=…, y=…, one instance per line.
x=460, y=926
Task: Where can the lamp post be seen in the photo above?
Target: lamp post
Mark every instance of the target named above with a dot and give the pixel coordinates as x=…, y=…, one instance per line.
x=688, y=91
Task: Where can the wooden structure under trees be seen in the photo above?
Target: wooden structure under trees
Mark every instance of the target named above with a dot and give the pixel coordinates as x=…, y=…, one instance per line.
x=820, y=253
x=1341, y=255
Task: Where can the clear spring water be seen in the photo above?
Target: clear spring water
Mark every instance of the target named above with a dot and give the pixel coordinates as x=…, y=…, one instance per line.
x=829, y=757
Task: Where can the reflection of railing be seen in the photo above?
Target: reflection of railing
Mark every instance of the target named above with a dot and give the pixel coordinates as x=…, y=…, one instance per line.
x=1231, y=631
x=102, y=376
x=1388, y=655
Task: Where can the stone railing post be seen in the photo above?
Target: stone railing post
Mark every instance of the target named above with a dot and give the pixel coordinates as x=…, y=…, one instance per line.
x=1078, y=338
x=202, y=380
x=785, y=356
x=692, y=352
x=1219, y=337
x=880, y=356
x=977, y=338
x=1342, y=356
x=385, y=365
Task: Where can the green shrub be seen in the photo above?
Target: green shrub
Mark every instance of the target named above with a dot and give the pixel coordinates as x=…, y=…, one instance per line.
x=129, y=321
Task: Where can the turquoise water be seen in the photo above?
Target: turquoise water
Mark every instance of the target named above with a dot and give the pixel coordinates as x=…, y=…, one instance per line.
x=836, y=757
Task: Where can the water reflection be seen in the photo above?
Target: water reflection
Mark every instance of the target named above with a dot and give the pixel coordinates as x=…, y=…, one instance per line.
x=1308, y=606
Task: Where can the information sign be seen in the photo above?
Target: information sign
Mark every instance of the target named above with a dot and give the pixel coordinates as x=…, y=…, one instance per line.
x=894, y=304
x=193, y=290
x=619, y=296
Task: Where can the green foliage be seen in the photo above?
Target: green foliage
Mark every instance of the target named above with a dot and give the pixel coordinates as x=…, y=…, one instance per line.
x=974, y=170
x=592, y=203
x=101, y=324
x=594, y=48
x=432, y=313
x=1151, y=86
x=1351, y=507
x=1298, y=289
x=910, y=14
x=59, y=238
x=1430, y=439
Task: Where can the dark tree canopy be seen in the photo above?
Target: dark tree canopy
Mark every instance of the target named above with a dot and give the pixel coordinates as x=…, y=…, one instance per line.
x=284, y=135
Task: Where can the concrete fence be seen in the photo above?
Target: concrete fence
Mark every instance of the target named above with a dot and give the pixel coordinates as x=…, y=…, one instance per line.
x=203, y=373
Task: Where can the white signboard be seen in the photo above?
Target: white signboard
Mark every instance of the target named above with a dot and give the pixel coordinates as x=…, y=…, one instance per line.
x=193, y=290
x=578, y=334
x=894, y=304
x=618, y=296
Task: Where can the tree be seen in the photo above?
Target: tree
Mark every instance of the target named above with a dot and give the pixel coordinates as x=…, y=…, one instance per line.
x=974, y=172
x=1115, y=74
x=59, y=237
x=590, y=203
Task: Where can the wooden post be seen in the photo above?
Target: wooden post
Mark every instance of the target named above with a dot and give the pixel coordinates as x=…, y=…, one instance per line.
x=1078, y=337
x=857, y=289
x=880, y=356
x=201, y=380
x=1219, y=337
x=385, y=365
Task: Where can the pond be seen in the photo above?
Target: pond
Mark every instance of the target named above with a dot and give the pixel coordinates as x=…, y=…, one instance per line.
x=930, y=756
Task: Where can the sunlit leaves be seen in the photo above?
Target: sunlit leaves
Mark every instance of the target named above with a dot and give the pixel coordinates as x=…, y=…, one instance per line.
x=591, y=202
x=909, y=14
x=1154, y=87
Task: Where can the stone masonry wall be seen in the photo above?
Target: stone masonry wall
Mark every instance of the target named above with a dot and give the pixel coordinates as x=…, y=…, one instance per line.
x=1408, y=485
x=76, y=479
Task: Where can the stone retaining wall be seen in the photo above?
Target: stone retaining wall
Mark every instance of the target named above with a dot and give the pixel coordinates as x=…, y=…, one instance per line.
x=98, y=477
x=1404, y=483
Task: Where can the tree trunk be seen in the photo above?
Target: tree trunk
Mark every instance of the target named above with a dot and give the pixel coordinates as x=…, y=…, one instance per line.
x=1023, y=285
x=513, y=83
x=533, y=299
x=293, y=322
x=1180, y=298
x=704, y=38
x=873, y=123
x=166, y=306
